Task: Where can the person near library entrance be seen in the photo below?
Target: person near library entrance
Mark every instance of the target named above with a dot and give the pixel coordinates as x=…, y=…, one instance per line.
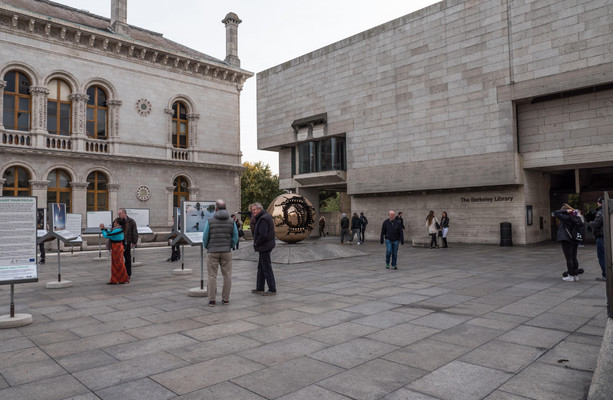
x=263, y=243
x=569, y=219
x=391, y=232
x=433, y=226
x=219, y=237
x=596, y=227
x=363, y=223
x=444, y=228
x=130, y=238
x=344, y=228
x=116, y=239
x=355, y=227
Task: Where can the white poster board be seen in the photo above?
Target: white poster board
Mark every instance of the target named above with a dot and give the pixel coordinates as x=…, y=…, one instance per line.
x=18, y=240
x=73, y=225
x=95, y=218
x=141, y=217
x=195, y=215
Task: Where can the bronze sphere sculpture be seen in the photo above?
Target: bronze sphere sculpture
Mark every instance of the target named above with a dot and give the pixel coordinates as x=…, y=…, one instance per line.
x=293, y=216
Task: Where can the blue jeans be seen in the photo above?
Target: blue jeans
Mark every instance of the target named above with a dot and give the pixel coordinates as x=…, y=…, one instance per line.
x=391, y=249
x=600, y=253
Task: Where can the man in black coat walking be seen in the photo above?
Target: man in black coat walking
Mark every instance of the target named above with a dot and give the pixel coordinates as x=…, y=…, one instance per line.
x=263, y=243
x=392, y=233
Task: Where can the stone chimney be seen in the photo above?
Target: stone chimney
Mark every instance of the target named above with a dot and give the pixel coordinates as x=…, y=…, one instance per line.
x=119, y=16
x=231, y=21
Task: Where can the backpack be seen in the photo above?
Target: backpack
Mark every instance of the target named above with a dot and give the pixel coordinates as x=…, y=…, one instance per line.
x=364, y=220
x=574, y=232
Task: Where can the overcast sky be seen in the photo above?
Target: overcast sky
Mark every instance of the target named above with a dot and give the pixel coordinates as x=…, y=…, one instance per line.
x=272, y=32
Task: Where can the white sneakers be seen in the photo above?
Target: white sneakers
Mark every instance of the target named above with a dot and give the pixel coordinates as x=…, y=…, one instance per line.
x=570, y=278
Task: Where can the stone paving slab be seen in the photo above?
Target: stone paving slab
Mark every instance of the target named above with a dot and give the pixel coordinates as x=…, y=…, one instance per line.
x=448, y=324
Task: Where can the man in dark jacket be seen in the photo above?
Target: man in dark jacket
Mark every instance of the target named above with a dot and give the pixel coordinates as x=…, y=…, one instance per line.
x=263, y=243
x=219, y=237
x=596, y=227
x=130, y=238
x=344, y=228
x=391, y=232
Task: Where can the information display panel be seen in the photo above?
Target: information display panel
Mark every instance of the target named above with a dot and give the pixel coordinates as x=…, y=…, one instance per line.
x=195, y=215
x=57, y=215
x=141, y=217
x=73, y=225
x=95, y=218
x=18, y=217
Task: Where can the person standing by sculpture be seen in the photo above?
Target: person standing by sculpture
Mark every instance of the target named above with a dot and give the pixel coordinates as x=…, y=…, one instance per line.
x=322, y=226
x=130, y=235
x=569, y=220
x=219, y=237
x=263, y=243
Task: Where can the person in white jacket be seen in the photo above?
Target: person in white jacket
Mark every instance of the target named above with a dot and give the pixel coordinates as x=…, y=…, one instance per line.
x=433, y=226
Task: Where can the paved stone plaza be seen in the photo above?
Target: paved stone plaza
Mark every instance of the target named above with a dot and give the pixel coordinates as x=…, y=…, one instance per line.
x=468, y=322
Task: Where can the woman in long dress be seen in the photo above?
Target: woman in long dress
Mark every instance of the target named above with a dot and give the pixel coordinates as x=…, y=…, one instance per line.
x=115, y=238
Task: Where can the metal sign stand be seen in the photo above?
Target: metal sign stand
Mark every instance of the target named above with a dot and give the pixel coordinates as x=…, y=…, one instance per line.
x=100, y=258
x=60, y=283
x=14, y=320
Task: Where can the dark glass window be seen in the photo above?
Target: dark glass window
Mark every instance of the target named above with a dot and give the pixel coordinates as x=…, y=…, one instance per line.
x=97, y=192
x=323, y=155
x=58, y=108
x=97, y=113
x=17, y=101
x=179, y=125
x=17, y=182
x=59, y=190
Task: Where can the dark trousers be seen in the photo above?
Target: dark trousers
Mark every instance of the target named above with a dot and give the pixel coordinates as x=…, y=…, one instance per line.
x=570, y=253
x=265, y=274
x=321, y=231
x=41, y=246
x=433, y=240
x=362, y=235
x=175, y=254
x=127, y=257
x=599, y=253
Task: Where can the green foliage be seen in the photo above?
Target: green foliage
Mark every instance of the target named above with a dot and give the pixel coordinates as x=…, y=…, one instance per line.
x=329, y=201
x=258, y=185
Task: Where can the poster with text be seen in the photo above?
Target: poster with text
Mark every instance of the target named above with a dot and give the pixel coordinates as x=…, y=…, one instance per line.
x=73, y=224
x=18, y=240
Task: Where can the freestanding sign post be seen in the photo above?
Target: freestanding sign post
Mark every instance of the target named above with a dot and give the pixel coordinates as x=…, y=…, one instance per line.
x=176, y=230
x=93, y=221
x=58, y=231
x=18, y=223
x=194, y=214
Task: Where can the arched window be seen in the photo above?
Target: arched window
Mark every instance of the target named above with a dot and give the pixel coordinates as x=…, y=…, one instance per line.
x=97, y=192
x=179, y=125
x=58, y=108
x=180, y=192
x=17, y=101
x=17, y=182
x=59, y=190
x=97, y=112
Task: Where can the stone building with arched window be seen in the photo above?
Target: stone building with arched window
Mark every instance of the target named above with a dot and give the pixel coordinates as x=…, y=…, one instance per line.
x=92, y=109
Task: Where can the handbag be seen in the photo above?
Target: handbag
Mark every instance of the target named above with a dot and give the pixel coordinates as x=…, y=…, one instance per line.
x=440, y=233
x=437, y=225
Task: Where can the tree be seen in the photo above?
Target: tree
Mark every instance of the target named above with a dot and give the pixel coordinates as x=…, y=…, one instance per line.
x=258, y=185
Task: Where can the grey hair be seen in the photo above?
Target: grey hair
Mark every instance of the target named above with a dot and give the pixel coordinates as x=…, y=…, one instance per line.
x=220, y=204
x=258, y=206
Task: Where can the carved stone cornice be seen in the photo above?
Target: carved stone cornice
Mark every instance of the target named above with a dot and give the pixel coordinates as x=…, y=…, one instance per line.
x=113, y=103
x=39, y=185
x=79, y=186
x=193, y=190
x=193, y=117
x=39, y=90
x=78, y=97
x=110, y=44
x=169, y=111
x=112, y=187
x=2, y=84
x=170, y=189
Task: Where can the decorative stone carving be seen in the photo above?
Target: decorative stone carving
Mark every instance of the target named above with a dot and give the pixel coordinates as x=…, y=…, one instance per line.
x=39, y=185
x=112, y=187
x=143, y=193
x=169, y=113
x=39, y=108
x=193, y=129
x=79, y=107
x=113, y=106
x=79, y=186
x=143, y=107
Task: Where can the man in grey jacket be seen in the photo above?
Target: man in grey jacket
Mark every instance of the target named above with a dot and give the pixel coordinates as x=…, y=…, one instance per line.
x=219, y=238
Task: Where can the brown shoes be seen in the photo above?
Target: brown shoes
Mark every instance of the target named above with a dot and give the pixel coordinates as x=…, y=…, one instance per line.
x=269, y=293
x=257, y=291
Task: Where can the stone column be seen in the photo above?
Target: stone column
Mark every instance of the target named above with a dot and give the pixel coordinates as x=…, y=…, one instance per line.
x=113, y=128
x=169, y=113
x=39, y=115
x=39, y=190
x=2, y=86
x=79, y=199
x=194, y=192
x=169, y=197
x=113, y=188
x=231, y=22
x=79, y=120
x=2, y=180
x=192, y=145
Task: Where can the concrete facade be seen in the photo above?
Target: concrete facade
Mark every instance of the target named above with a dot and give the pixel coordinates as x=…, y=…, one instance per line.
x=451, y=106
x=143, y=74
